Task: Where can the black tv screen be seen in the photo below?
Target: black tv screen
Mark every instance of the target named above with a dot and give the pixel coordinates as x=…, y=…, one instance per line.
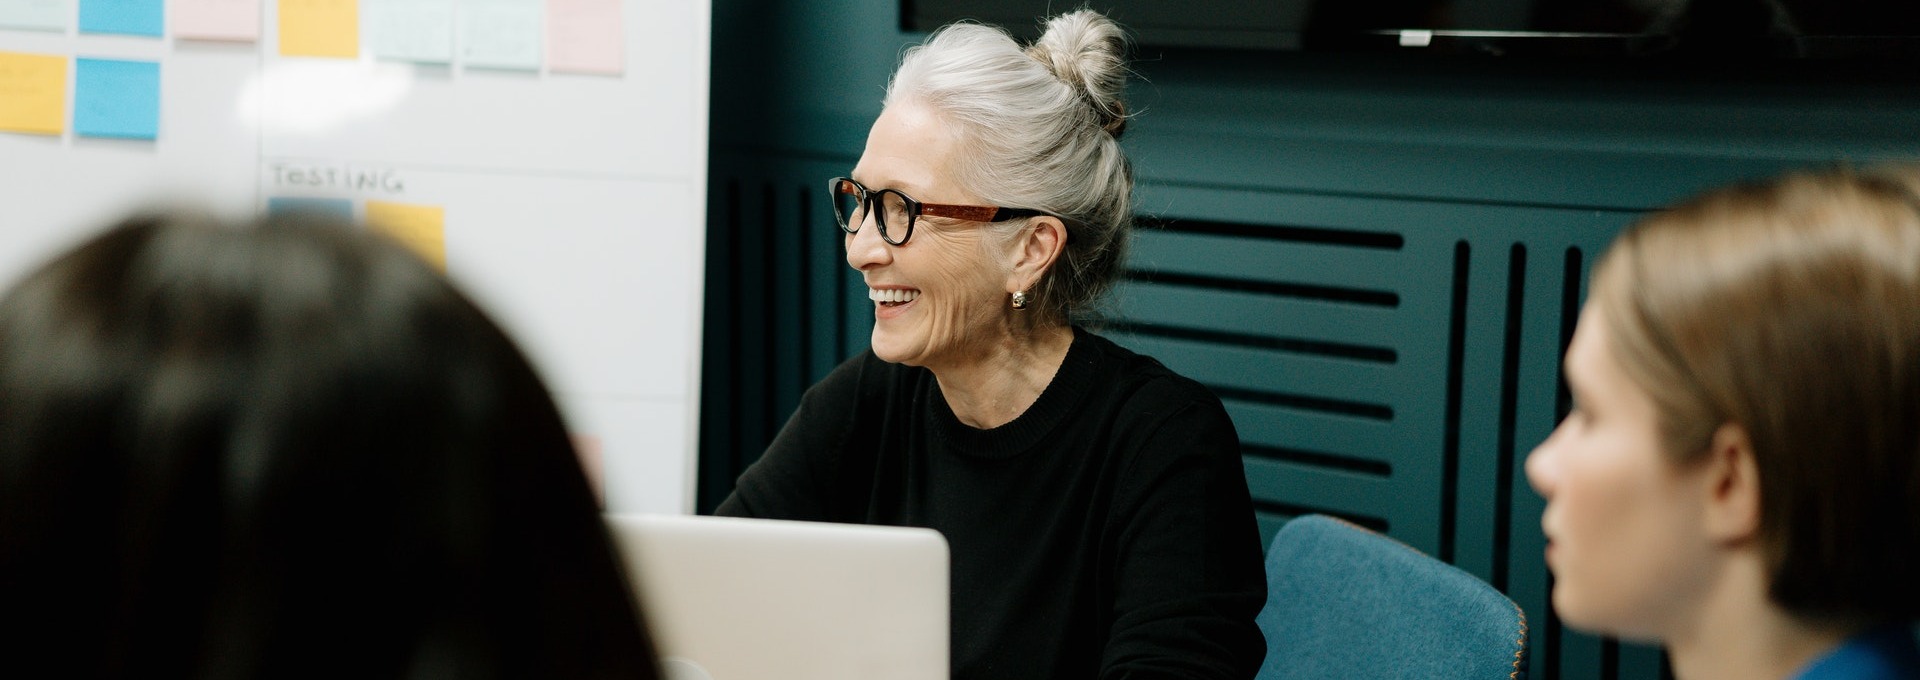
x=1735, y=29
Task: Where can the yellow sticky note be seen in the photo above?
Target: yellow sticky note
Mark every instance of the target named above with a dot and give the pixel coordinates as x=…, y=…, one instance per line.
x=320, y=28
x=422, y=227
x=33, y=93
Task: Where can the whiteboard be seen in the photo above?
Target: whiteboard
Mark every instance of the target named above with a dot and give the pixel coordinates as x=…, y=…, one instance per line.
x=574, y=205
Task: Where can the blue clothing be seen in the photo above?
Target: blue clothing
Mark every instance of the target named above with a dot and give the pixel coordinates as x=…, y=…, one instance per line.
x=1887, y=653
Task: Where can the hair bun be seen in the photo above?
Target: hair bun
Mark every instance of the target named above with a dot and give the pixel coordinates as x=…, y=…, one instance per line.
x=1088, y=51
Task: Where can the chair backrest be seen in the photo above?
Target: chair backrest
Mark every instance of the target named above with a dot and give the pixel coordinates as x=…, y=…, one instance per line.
x=1345, y=602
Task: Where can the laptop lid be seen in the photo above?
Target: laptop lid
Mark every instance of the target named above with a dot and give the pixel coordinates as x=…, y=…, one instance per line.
x=741, y=599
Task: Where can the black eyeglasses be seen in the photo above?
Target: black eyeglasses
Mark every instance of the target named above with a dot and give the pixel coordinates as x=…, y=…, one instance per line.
x=852, y=200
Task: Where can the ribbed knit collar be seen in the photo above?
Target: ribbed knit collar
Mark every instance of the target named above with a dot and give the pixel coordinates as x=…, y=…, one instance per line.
x=1069, y=387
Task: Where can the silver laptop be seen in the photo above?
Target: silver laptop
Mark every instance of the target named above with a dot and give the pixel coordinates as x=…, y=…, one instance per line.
x=744, y=599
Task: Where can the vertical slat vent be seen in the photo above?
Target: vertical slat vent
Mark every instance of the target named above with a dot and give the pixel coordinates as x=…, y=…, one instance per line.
x=1509, y=404
x=1456, y=359
x=1286, y=320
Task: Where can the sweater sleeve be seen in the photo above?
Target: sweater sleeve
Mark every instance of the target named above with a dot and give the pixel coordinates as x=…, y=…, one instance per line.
x=1188, y=574
x=794, y=478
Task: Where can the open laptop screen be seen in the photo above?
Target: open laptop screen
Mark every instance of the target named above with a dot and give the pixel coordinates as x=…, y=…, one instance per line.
x=740, y=599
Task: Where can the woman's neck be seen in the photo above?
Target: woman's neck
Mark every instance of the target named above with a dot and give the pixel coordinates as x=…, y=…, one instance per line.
x=1741, y=633
x=1002, y=382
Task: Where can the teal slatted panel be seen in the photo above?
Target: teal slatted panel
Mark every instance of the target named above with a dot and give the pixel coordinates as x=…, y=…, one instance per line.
x=788, y=231
x=1271, y=426
x=1365, y=327
x=718, y=465
x=1269, y=524
x=1385, y=359
x=1256, y=259
x=775, y=272
x=1295, y=484
x=1346, y=385
x=828, y=276
x=1481, y=373
x=1299, y=325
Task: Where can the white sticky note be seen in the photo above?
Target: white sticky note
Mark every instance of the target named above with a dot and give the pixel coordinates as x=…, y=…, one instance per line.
x=411, y=30
x=501, y=34
x=36, y=15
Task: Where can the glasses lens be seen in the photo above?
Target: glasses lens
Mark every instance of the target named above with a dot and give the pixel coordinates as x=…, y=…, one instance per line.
x=896, y=221
x=847, y=205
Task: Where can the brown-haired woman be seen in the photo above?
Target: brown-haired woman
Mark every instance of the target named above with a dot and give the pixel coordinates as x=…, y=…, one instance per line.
x=283, y=450
x=1740, y=479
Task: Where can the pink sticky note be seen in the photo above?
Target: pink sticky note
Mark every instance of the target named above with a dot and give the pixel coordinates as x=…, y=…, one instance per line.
x=237, y=20
x=585, y=36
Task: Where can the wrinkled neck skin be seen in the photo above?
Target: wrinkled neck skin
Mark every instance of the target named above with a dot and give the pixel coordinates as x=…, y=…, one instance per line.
x=1740, y=633
x=1009, y=368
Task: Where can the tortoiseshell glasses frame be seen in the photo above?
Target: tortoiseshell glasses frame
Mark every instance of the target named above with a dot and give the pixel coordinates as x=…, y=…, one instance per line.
x=852, y=200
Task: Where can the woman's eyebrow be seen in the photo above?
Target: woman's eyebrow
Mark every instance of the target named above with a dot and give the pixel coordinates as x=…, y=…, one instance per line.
x=908, y=188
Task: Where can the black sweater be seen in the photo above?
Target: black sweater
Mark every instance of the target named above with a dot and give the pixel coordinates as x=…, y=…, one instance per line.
x=1105, y=533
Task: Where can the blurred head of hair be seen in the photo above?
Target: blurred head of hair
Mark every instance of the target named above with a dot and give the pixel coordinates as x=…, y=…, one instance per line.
x=287, y=448
x=1791, y=308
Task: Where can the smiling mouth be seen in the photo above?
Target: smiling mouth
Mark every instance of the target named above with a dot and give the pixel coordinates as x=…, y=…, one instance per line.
x=892, y=297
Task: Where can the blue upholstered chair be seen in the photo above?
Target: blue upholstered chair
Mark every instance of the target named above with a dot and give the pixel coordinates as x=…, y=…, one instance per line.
x=1345, y=602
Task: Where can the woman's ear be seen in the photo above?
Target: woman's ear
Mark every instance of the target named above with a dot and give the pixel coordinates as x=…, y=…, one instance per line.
x=1732, y=492
x=1037, y=247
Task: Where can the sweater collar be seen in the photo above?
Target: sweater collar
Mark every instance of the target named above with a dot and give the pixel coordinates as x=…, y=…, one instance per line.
x=1063, y=393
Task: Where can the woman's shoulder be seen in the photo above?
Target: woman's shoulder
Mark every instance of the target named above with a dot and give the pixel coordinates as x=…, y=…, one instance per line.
x=1143, y=377
x=1141, y=391
x=1887, y=653
x=1158, y=419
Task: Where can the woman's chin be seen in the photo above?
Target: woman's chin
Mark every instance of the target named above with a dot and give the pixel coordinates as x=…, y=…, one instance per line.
x=1597, y=618
x=891, y=348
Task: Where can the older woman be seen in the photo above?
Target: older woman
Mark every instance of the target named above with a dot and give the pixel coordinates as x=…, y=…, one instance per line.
x=1740, y=480
x=1094, y=501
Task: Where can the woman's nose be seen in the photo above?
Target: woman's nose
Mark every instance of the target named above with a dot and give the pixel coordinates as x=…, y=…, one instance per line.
x=865, y=248
x=1542, y=473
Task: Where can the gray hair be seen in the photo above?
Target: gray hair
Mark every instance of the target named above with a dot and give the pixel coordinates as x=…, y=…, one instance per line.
x=1038, y=128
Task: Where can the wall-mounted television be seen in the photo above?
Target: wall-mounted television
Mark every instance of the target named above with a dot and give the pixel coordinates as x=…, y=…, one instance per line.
x=1706, y=29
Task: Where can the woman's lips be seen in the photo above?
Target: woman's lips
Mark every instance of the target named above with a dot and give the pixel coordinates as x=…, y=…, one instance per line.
x=890, y=302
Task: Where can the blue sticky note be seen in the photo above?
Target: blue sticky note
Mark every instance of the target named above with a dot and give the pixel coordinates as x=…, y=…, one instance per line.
x=337, y=208
x=131, y=17
x=113, y=98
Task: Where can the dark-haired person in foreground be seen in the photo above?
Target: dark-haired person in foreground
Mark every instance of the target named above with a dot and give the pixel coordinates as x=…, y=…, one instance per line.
x=1093, y=500
x=285, y=450
x=1740, y=478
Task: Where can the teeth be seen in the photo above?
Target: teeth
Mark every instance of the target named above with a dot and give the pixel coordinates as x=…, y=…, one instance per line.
x=891, y=295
